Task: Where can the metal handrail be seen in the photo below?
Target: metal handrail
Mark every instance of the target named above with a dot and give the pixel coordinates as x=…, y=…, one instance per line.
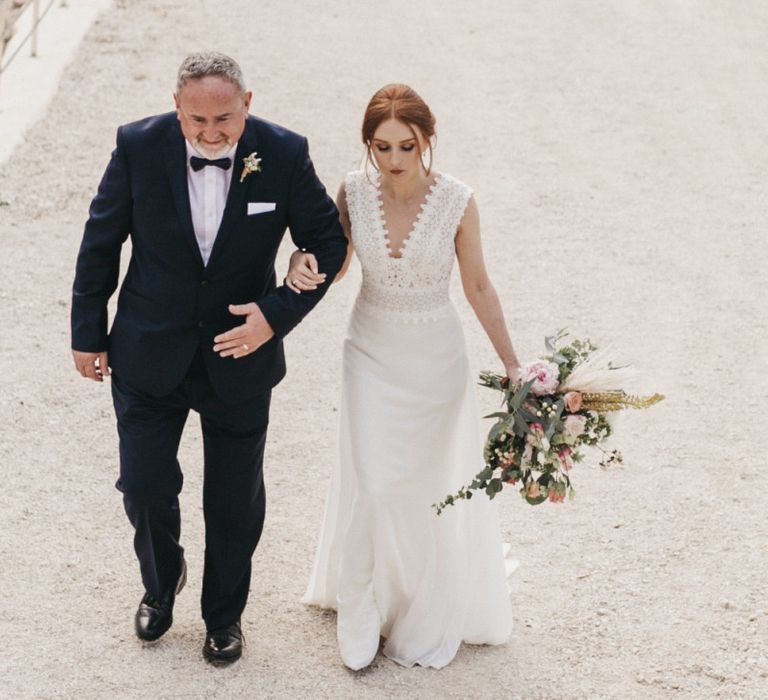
x=37, y=18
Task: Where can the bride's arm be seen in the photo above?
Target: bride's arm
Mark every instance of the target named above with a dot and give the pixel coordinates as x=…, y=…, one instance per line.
x=302, y=267
x=341, y=204
x=479, y=289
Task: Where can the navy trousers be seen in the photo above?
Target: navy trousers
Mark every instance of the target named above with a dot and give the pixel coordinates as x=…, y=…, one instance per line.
x=150, y=429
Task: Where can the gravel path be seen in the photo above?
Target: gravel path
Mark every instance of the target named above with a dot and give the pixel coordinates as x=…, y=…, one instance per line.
x=618, y=154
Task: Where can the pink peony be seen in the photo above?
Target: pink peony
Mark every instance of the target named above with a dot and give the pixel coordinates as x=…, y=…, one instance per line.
x=574, y=426
x=573, y=401
x=544, y=375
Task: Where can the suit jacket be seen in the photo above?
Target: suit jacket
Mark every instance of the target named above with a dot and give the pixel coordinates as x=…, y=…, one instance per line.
x=170, y=303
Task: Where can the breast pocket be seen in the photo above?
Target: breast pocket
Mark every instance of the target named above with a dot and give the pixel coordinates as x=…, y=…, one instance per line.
x=260, y=208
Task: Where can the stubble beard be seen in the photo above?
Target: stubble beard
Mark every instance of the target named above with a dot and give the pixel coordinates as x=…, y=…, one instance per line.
x=210, y=153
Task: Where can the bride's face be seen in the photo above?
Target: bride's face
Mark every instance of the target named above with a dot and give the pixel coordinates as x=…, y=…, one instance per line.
x=396, y=152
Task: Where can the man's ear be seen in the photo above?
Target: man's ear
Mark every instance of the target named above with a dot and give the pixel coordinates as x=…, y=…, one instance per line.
x=247, y=98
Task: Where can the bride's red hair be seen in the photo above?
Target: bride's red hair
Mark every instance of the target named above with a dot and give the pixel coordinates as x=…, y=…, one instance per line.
x=401, y=102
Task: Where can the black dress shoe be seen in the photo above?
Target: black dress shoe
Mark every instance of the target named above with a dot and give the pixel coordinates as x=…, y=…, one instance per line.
x=155, y=615
x=225, y=645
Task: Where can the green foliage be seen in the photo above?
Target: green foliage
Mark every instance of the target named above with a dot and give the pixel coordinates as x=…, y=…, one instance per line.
x=494, y=487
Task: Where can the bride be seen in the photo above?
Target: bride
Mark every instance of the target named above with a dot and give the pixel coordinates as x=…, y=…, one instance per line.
x=409, y=430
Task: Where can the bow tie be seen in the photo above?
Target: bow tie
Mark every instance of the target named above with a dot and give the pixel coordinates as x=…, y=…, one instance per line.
x=200, y=163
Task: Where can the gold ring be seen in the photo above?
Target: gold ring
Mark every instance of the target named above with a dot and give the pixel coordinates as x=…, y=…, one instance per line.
x=245, y=346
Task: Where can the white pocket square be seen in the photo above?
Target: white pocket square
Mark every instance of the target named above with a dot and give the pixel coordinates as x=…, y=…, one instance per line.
x=260, y=207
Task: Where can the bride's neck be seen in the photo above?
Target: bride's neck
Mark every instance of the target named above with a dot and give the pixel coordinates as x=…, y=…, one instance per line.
x=406, y=190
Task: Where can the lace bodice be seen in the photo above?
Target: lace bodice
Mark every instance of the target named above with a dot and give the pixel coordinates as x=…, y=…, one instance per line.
x=415, y=286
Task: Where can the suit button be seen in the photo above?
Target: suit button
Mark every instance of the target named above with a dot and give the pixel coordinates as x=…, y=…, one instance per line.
x=204, y=283
x=200, y=324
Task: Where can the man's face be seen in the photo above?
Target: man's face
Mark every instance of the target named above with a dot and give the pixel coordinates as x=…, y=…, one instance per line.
x=212, y=113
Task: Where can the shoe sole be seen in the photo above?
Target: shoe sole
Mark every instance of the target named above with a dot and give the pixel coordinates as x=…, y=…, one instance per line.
x=221, y=661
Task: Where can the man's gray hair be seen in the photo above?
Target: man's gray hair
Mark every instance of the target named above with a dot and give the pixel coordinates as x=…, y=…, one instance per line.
x=204, y=63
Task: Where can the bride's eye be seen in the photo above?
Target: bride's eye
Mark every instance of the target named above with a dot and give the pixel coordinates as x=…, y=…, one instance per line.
x=382, y=149
x=408, y=148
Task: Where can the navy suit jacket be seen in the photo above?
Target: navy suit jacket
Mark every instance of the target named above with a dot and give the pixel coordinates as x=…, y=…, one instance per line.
x=170, y=303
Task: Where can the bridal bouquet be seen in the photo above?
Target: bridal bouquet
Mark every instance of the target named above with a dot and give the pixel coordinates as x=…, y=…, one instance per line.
x=561, y=406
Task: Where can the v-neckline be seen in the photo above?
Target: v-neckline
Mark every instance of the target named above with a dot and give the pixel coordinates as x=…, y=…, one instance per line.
x=413, y=227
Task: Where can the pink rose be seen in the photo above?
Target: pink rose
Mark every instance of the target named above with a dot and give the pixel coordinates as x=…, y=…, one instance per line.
x=573, y=401
x=555, y=497
x=544, y=375
x=574, y=426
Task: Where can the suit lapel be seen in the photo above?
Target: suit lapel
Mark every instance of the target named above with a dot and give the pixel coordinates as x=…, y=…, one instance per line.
x=235, y=206
x=176, y=167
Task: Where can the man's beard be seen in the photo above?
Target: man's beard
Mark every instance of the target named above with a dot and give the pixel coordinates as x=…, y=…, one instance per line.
x=212, y=153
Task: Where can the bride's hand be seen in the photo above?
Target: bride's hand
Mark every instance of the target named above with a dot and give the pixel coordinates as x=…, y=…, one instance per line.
x=303, y=274
x=513, y=373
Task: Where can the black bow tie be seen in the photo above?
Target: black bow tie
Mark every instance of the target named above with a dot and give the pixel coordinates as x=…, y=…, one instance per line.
x=200, y=163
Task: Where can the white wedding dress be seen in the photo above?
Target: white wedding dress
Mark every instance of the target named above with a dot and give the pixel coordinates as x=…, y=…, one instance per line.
x=409, y=435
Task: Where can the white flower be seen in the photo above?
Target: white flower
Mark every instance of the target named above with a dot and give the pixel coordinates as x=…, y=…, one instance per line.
x=527, y=454
x=574, y=425
x=251, y=164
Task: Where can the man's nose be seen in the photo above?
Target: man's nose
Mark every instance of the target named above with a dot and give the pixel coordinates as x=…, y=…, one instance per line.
x=210, y=133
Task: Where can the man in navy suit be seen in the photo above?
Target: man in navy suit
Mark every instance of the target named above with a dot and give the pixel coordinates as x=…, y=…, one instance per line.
x=205, y=194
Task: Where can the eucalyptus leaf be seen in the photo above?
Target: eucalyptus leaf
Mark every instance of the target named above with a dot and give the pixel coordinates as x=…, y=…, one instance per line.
x=520, y=395
x=486, y=474
x=521, y=427
x=494, y=486
x=494, y=432
x=497, y=414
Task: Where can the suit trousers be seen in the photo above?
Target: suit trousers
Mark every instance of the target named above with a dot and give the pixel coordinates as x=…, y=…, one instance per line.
x=234, y=435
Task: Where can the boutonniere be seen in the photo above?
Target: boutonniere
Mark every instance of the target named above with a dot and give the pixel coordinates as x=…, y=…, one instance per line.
x=251, y=164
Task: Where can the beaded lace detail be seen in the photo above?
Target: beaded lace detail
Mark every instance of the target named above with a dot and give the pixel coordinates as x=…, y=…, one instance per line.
x=415, y=286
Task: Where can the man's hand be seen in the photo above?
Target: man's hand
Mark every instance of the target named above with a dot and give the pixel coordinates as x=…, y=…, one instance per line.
x=245, y=339
x=92, y=365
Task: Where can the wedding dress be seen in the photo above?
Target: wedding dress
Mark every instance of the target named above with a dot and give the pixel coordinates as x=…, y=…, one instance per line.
x=409, y=435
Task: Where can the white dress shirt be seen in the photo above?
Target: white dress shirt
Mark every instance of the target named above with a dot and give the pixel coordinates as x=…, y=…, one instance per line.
x=208, y=189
